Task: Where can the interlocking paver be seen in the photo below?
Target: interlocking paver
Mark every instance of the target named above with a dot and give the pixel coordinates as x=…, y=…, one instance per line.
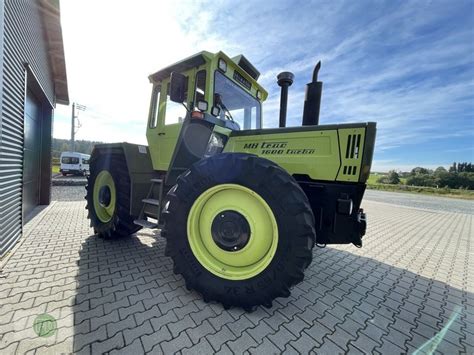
x=200, y=316
x=81, y=340
x=222, y=336
x=163, y=320
x=281, y=338
x=242, y=343
x=122, y=295
x=134, y=333
x=201, y=348
x=329, y=347
x=303, y=344
x=222, y=319
x=127, y=323
x=154, y=339
x=365, y=343
x=116, y=342
x=133, y=348
x=182, y=324
x=96, y=322
x=176, y=344
x=136, y=308
x=260, y=331
x=199, y=332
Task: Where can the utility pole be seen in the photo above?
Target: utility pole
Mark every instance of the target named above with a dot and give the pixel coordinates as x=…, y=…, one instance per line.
x=79, y=107
x=73, y=124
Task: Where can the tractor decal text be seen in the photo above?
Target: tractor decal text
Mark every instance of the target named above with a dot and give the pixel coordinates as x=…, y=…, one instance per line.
x=277, y=148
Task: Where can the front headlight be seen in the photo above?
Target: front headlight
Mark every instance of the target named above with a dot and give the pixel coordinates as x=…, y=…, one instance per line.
x=215, y=145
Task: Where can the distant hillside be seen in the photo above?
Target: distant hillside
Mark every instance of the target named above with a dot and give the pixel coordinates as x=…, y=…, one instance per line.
x=62, y=145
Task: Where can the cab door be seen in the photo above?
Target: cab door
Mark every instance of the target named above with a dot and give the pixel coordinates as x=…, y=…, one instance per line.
x=166, y=120
x=166, y=116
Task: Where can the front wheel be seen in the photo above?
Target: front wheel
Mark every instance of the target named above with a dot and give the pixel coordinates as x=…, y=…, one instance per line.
x=249, y=229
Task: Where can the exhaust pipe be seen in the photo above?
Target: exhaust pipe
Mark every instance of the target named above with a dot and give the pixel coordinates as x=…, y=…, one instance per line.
x=284, y=79
x=312, y=101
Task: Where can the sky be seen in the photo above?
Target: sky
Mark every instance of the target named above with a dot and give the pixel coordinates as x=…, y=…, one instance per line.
x=407, y=65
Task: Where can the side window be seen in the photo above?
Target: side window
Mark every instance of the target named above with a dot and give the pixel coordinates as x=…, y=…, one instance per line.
x=200, y=87
x=85, y=161
x=154, y=105
x=175, y=112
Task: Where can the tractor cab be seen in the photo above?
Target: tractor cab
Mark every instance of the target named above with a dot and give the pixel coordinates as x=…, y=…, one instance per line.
x=223, y=92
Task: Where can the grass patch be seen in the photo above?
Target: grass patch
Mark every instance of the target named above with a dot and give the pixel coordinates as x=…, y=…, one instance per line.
x=55, y=169
x=445, y=192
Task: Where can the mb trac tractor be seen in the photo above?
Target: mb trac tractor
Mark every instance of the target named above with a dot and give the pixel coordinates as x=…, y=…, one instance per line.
x=240, y=206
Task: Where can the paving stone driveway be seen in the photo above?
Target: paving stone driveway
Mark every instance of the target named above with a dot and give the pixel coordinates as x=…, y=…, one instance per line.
x=412, y=280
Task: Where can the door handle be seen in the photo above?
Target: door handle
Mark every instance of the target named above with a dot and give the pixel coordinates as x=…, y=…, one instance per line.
x=161, y=133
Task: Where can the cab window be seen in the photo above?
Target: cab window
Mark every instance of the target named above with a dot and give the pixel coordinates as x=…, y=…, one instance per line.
x=175, y=112
x=236, y=103
x=155, y=104
x=200, y=88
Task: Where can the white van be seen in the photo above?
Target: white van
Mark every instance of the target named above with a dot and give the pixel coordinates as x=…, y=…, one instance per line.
x=74, y=163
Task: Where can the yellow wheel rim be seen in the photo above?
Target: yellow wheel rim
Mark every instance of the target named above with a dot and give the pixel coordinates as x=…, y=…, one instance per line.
x=257, y=253
x=105, y=196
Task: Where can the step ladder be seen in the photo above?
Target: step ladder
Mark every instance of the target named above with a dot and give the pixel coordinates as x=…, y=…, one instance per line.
x=151, y=206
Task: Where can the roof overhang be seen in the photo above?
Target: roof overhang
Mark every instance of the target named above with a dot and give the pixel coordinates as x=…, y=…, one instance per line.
x=54, y=37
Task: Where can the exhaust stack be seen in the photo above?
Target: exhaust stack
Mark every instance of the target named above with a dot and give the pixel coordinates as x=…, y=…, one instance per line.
x=284, y=79
x=312, y=101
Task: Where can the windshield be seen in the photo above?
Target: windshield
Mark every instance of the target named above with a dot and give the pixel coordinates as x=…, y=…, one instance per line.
x=70, y=160
x=243, y=108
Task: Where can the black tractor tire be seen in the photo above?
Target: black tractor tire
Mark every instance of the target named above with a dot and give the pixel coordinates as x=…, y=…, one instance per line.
x=121, y=223
x=292, y=212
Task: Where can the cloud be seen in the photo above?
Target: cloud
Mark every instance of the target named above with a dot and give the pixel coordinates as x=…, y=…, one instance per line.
x=409, y=66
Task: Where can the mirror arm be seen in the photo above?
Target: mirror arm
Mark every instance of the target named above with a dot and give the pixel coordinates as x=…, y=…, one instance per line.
x=186, y=107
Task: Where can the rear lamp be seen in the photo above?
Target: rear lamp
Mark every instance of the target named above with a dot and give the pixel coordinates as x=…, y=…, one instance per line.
x=222, y=65
x=202, y=105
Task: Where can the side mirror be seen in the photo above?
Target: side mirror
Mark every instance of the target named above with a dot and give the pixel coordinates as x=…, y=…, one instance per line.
x=178, y=87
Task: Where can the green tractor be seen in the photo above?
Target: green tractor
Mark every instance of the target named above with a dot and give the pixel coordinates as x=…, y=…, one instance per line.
x=240, y=206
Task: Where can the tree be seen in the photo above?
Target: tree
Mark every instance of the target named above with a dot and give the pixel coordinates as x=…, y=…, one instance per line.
x=64, y=147
x=440, y=171
x=393, y=177
x=453, y=168
x=419, y=170
x=465, y=168
x=421, y=180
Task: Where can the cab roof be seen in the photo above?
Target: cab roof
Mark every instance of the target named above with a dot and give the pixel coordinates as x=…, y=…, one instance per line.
x=199, y=59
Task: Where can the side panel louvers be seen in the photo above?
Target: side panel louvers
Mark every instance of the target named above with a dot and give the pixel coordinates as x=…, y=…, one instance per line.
x=351, y=150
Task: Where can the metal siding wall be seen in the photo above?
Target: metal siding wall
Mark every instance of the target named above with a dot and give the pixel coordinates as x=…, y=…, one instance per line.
x=23, y=42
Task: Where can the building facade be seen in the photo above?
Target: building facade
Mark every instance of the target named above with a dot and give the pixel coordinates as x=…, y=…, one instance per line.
x=32, y=81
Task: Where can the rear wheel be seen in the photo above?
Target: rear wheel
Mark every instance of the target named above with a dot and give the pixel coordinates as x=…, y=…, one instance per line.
x=249, y=229
x=108, y=196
